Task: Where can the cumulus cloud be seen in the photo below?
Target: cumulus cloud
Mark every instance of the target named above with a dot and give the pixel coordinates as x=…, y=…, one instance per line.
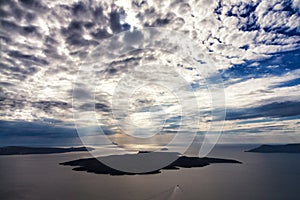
x=254, y=44
x=233, y=31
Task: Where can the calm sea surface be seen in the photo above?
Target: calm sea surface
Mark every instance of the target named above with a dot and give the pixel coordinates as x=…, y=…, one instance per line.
x=261, y=176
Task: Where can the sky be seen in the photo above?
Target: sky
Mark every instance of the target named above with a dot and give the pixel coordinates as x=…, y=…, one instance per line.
x=254, y=45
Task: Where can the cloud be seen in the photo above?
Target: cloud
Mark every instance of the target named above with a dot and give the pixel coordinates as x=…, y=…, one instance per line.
x=233, y=31
x=48, y=132
x=47, y=106
x=289, y=83
x=243, y=92
x=254, y=44
x=278, y=64
x=273, y=110
x=31, y=129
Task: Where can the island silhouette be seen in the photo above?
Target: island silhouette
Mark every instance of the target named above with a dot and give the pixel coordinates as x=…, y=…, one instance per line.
x=94, y=165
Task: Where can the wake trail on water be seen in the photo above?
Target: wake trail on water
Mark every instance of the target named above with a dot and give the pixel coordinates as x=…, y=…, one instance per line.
x=172, y=193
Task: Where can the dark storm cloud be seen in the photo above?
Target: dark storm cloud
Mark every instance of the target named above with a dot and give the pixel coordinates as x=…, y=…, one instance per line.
x=47, y=106
x=115, y=22
x=27, y=58
x=95, y=106
x=73, y=34
x=154, y=18
x=87, y=107
x=23, y=128
x=256, y=130
x=16, y=71
x=122, y=65
x=273, y=110
x=100, y=34
x=79, y=9
x=102, y=107
x=87, y=18
x=6, y=84
x=10, y=27
x=11, y=103
x=76, y=40
x=34, y=5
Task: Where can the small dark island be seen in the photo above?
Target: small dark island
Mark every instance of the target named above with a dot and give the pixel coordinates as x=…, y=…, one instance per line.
x=93, y=165
x=288, y=148
x=19, y=150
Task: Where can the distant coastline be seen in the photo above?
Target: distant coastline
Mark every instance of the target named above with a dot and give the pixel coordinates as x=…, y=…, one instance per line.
x=21, y=150
x=287, y=148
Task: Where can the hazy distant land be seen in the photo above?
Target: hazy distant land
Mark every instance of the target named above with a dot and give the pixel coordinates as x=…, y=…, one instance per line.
x=288, y=148
x=19, y=150
x=95, y=166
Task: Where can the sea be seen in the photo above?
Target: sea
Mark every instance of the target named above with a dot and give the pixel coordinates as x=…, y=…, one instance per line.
x=260, y=176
